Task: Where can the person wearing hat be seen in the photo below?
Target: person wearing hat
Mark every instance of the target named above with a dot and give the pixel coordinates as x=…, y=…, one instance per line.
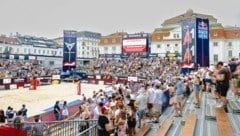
x=103, y=124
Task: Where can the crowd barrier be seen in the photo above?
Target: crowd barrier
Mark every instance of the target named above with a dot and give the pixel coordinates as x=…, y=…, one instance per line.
x=15, y=83
x=94, y=79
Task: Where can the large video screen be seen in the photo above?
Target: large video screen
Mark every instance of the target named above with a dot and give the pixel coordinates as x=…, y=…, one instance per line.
x=134, y=45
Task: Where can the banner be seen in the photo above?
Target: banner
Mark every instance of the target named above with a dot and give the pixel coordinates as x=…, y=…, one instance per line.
x=202, y=42
x=188, y=43
x=69, y=50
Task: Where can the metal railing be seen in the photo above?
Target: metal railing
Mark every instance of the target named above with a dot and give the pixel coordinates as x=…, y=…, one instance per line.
x=73, y=127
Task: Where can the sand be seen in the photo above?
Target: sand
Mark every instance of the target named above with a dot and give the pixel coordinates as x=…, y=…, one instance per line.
x=44, y=97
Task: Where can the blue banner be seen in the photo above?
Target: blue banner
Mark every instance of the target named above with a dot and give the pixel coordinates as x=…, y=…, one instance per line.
x=202, y=42
x=69, y=50
x=188, y=44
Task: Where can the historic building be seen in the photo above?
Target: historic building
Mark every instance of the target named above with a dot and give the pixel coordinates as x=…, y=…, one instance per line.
x=224, y=41
x=30, y=48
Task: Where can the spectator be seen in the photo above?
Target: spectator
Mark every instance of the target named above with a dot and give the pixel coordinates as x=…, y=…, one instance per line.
x=38, y=127
x=56, y=110
x=18, y=120
x=103, y=124
x=65, y=112
x=24, y=111
x=2, y=116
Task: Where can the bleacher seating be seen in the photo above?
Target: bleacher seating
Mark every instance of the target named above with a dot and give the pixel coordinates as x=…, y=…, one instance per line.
x=143, y=131
x=223, y=123
x=162, y=131
x=189, y=126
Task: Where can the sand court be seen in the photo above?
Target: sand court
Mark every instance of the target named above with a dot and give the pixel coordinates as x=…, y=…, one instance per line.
x=45, y=96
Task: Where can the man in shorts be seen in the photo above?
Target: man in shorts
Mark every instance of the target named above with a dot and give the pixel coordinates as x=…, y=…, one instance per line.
x=223, y=77
x=141, y=102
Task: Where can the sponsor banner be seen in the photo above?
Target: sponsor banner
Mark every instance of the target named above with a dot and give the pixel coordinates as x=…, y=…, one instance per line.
x=202, y=42
x=134, y=45
x=135, y=79
x=26, y=85
x=11, y=56
x=188, y=42
x=7, y=81
x=56, y=77
x=153, y=55
x=69, y=50
x=98, y=76
x=13, y=86
x=171, y=55
x=32, y=57
x=92, y=81
x=21, y=57
x=17, y=80
x=107, y=83
x=90, y=77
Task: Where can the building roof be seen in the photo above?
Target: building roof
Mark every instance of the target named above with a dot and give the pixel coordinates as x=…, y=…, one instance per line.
x=188, y=15
x=36, y=41
x=112, y=39
x=9, y=40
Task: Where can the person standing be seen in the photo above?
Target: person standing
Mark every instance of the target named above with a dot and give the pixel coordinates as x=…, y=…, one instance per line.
x=65, y=112
x=56, y=110
x=103, y=124
x=179, y=91
x=158, y=101
x=38, y=127
x=197, y=88
x=141, y=102
x=24, y=111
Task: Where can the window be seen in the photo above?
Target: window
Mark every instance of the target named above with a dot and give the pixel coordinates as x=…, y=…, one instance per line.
x=17, y=50
x=230, y=53
x=114, y=40
x=82, y=52
x=159, y=46
x=215, y=34
x=47, y=52
x=105, y=48
x=29, y=51
x=52, y=52
x=215, y=58
x=25, y=50
x=177, y=35
x=114, y=48
x=215, y=44
x=39, y=51
x=0, y=49
x=34, y=51
x=230, y=44
x=174, y=36
x=87, y=48
x=176, y=45
x=51, y=62
x=105, y=40
x=43, y=51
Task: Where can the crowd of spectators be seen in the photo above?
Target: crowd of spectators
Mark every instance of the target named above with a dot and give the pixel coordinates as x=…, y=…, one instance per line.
x=132, y=66
x=24, y=68
x=128, y=104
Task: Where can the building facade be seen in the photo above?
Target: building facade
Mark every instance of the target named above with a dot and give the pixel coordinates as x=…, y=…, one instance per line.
x=30, y=48
x=224, y=41
x=87, y=46
x=110, y=46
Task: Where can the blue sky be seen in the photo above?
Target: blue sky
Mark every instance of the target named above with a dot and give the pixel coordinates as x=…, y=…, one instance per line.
x=48, y=18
